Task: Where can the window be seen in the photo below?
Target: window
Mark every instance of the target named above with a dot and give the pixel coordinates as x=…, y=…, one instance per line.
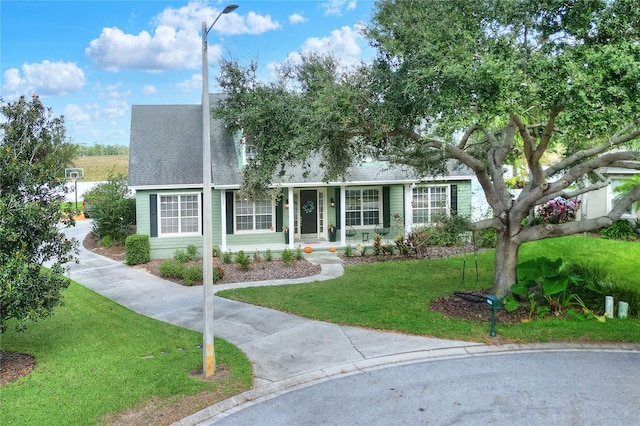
x=362, y=207
x=253, y=215
x=180, y=214
x=429, y=202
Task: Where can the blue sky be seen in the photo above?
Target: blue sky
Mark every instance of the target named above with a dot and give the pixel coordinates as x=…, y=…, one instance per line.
x=91, y=60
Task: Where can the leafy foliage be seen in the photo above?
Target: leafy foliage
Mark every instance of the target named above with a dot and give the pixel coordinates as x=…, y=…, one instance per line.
x=33, y=154
x=112, y=208
x=483, y=83
x=620, y=230
x=137, y=249
x=558, y=210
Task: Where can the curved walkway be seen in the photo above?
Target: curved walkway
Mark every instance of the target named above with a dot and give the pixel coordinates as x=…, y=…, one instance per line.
x=287, y=351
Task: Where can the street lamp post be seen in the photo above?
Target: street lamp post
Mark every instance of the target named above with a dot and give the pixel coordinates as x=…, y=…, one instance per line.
x=208, y=361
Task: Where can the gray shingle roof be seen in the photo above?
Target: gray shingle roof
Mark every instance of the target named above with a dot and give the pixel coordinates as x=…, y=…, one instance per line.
x=165, y=150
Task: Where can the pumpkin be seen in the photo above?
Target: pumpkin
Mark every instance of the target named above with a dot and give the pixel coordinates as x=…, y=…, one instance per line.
x=332, y=249
x=308, y=249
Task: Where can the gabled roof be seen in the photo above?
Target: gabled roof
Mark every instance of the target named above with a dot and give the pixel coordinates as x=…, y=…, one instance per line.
x=165, y=151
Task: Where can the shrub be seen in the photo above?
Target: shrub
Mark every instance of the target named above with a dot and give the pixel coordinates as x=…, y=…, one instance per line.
x=137, y=249
x=377, y=246
x=268, y=256
x=558, y=210
x=192, y=275
x=620, y=230
x=171, y=269
x=227, y=257
x=387, y=249
x=112, y=208
x=298, y=253
x=189, y=255
x=218, y=274
x=348, y=251
x=256, y=256
x=485, y=238
x=243, y=260
x=287, y=256
x=106, y=241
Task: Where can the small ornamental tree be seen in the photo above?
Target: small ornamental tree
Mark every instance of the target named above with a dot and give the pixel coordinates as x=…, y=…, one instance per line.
x=484, y=83
x=33, y=154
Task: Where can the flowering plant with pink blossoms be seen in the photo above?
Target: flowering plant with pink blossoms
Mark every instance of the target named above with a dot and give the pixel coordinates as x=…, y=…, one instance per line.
x=558, y=210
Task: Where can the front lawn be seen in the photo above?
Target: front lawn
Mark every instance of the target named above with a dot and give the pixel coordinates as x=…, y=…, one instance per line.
x=95, y=357
x=395, y=295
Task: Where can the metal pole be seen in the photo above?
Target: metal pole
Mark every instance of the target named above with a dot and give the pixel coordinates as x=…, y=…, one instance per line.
x=208, y=354
x=208, y=362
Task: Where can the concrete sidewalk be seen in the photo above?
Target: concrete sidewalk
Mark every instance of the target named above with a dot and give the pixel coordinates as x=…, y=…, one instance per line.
x=286, y=350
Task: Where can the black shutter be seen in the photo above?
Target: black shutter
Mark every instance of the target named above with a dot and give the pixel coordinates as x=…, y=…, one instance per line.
x=229, y=211
x=386, y=207
x=337, y=200
x=153, y=215
x=279, y=213
x=454, y=199
x=202, y=213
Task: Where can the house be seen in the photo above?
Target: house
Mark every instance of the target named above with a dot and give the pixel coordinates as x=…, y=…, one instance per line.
x=599, y=202
x=165, y=170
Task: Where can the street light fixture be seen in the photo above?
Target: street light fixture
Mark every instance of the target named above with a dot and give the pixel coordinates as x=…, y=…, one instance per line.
x=208, y=361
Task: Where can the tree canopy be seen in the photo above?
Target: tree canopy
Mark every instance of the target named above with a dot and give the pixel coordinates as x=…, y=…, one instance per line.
x=485, y=83
x=33, y=154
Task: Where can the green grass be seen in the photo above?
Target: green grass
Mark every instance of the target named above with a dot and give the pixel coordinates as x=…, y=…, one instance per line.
x=94, y=357
x=98, y=167
x=395, y=295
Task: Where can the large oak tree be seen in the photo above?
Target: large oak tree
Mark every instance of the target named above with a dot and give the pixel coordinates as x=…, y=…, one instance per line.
x=486, y=83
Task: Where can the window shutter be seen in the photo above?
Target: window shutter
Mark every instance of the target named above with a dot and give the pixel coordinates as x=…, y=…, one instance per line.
x=229, y=211
x=279, y=213
x=454, y=199
x=386, y=207
x=202, y=213
x=153, y=215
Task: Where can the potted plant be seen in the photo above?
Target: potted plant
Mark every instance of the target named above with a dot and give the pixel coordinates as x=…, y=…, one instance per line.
x=332, y=232
x=285, y=231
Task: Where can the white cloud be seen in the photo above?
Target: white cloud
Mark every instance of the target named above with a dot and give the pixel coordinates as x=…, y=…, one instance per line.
x=334, y=7
x=45, y=79
x=75, y=115
x=296, y=18
x=343, y=44
x=194, y=83
x=149, y=89
x=176, y=41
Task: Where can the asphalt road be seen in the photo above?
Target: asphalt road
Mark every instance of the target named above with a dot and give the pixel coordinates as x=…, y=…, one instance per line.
x=521, y=388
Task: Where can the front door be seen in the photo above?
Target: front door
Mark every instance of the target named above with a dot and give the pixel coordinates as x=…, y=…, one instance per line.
x=309, y=211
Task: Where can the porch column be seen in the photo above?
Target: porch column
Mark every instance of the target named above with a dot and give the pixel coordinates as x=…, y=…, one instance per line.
x=291, y=213
x=408, y=208
x=223, y=221
x=343, y=224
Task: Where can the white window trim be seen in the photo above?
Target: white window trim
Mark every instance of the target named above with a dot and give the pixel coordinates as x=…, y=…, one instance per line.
x=413, y=208
x=271, y=229
x=380, y=207
x=179, y=233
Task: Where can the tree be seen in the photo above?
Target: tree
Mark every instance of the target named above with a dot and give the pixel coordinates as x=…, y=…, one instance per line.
x=480, y=82
x=113, y=209
x=33, y=153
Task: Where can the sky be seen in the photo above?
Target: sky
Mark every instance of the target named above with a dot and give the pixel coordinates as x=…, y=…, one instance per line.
x=90, y=61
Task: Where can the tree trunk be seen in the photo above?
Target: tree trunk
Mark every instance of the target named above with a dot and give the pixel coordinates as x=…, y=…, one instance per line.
x=505, y=264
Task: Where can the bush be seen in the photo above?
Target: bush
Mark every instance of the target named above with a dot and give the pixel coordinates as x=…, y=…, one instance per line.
x=287, y=256
x=620, y=230
x=192, y=275
x=257, y=258
x=227, y=257
x=348, y=251
x=558, y=210
x=218, y=274
x=137, y=249
x=298, y=253
x=485, y=238
x=243, y=260
x=189, y=255
x=171, y=269
x=112, y=208
x=268, y=256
